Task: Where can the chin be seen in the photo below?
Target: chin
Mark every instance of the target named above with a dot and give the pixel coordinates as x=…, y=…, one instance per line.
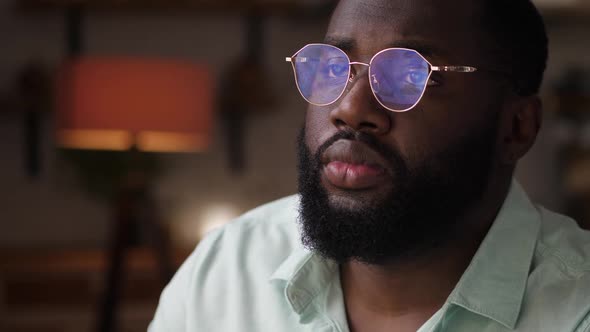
x=351, y=200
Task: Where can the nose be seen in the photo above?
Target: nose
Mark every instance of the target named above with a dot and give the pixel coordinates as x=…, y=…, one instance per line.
x=359, y=110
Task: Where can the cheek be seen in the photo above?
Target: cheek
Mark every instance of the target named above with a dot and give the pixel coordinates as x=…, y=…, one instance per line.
x=318, y=127
x=436, y=125
x=459, y=106
x=420, y=131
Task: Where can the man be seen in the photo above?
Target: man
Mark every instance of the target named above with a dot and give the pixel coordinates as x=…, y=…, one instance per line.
x=408, y=218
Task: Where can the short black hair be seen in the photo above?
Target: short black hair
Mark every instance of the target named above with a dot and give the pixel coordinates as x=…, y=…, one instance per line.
x=519, y=41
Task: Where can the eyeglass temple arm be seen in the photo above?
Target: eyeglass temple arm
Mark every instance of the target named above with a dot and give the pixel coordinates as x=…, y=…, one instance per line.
x=458, y=69
x=296, y=59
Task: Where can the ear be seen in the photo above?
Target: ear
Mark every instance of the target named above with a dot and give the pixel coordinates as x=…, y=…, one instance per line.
x=521, y=121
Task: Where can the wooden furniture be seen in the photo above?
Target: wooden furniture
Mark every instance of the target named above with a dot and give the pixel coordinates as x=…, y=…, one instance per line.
x=58, y=290
x=579, y=10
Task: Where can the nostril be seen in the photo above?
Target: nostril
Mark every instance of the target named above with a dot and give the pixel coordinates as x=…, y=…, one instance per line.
x=357, y=126
x=339, y=123
x=368, y=125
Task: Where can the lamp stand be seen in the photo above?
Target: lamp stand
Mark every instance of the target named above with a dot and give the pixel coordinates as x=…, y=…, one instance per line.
x=135, y=210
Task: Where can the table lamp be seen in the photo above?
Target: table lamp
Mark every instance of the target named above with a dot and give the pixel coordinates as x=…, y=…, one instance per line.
x=137, y=105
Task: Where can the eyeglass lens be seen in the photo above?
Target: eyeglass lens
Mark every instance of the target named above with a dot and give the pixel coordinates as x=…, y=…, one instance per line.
x=322, y=72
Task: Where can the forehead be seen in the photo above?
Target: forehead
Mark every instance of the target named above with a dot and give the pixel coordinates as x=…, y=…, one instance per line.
x=449, y=28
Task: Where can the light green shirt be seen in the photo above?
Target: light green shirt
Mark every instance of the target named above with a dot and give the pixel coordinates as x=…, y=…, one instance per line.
x=531, y=273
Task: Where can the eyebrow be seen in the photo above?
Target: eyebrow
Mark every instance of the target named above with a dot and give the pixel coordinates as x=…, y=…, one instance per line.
x=423, y=47
x=345, y=44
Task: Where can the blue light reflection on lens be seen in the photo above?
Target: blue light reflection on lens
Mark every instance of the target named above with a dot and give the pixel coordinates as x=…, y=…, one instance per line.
x=322, y=73
x=399, y=78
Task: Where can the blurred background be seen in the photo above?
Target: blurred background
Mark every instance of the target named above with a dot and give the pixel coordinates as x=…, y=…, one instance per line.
x=98, y=206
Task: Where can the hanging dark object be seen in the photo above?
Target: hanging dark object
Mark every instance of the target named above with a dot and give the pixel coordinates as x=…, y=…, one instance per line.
x=246, y=89
x=34, y=93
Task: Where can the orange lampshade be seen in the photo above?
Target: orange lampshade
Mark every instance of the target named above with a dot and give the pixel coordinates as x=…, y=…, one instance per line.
x=120, y=103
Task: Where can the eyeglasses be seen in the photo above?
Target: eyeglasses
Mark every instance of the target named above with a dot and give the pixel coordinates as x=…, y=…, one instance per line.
x=398, y=76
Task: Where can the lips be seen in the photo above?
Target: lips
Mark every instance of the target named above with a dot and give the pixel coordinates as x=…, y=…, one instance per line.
x=351, y=165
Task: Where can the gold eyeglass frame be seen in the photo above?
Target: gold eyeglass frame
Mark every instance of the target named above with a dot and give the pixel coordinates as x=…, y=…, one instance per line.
x=293, y=59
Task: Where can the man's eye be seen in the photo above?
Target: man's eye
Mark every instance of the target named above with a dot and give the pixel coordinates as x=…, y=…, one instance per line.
x=432, y=82
x=416, y=77
x=337, y=69
x=419, y=77
x=435, y=79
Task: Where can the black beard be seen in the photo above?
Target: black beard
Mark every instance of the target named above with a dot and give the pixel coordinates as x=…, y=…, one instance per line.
x=420, y=214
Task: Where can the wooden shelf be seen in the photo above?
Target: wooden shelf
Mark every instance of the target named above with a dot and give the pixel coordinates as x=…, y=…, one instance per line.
x=83, y=261
x=275, y=7
x=579, y=13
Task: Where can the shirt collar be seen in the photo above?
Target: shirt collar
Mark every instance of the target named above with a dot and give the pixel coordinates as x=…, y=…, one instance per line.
x=493, y=285
x=306, y=274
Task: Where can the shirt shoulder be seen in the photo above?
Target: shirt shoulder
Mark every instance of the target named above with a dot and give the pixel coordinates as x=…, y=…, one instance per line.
x=563, y=245
x=228, y=273
x=558, y=287
x=272, y=225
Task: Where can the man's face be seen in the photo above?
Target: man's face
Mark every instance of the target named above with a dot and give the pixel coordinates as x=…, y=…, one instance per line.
x=375, y=184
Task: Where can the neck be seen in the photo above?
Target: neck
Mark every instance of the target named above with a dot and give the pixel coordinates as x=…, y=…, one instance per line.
x=423, y=284
x=395, y=290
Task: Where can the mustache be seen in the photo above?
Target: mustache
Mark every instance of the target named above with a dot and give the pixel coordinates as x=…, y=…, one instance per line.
x=390, y=154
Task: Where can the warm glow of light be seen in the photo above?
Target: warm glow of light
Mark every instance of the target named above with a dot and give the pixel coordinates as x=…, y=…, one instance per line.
x=216, y=216
x=153, y=141
x=117, y=140
x=121, y=140
x=196, y=222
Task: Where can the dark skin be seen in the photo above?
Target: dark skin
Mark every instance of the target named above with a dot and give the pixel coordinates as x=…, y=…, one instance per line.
x=402, y=295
